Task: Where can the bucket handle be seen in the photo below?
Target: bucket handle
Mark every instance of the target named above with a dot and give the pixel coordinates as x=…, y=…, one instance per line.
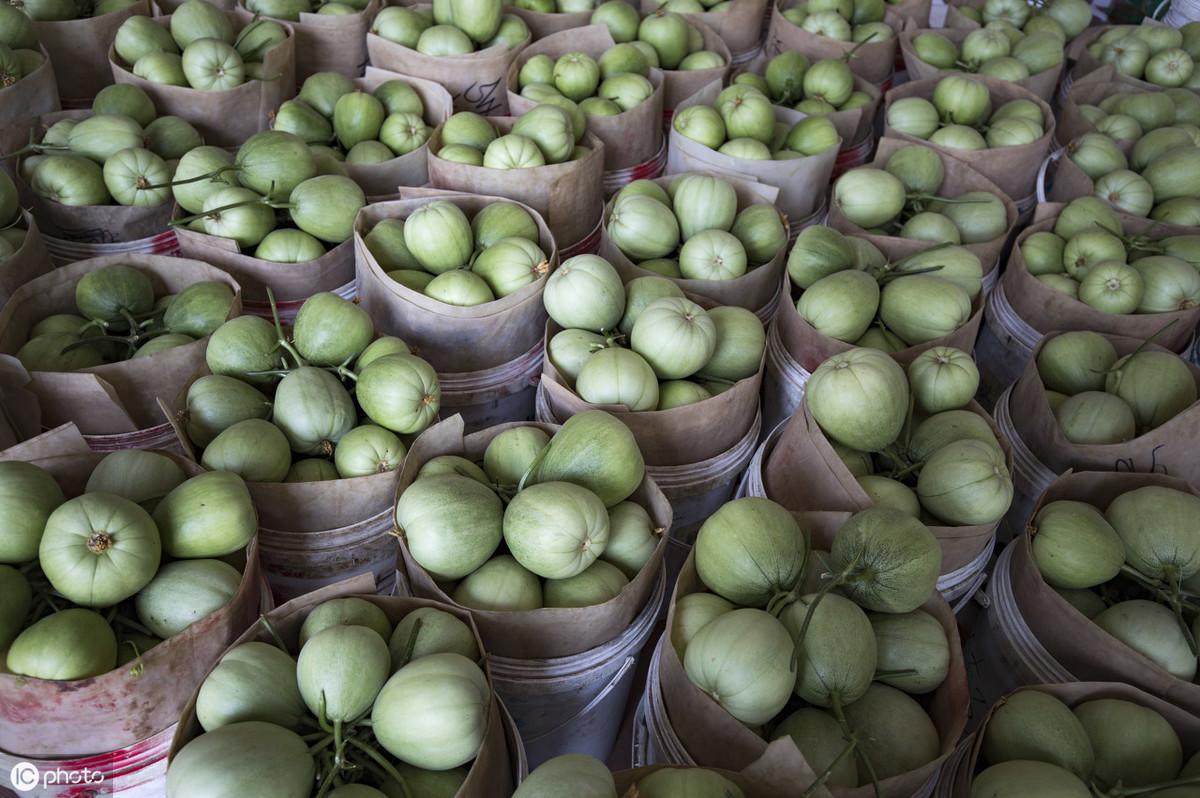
x=613, y=683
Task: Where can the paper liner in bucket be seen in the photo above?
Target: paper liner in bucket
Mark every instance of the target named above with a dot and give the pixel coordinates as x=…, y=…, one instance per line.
x=1044, y=309
x=957, y=20
x=803, y=472
x=1166, y=449
x=714, y=738
x=960, y=179
x=31, y=96
x=1044, y=84
x=631, y=138
x=224, y=118
x=89, y=224
x=21, y=418
x=1013, y=169
x=292, y=283
x=739, y=25
x=1086, y=64
x=383, y=180
x=912, y=11
x=757, y=290
x=544, y=24
x=856, y=126
x=57, y=719
x=802, y=182
x=498, y=765
x=1183, y=720
x=453, y=339
x=328, y=42
x=770, y=775
x=115, y=397
x=567, y=195
x=475, y=80
x=1070, y=638
x=547, y=632
x=79, y=50
x=29, y=261
x=873, y=61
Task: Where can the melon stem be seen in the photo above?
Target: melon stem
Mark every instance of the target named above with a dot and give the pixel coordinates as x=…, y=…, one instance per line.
x=128, y=623
x=274, y=634
x=838, y=579
x=840, y=715
x=409, y=645
x=827, y=772
x=1173, y=595
x=383, y=763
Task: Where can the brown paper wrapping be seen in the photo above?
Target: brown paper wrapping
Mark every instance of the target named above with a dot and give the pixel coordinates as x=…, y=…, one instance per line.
x=913, y=12
x=802, y=182
x=28, y=262
x=20, y=413
x=96, y=224
x=115, y=397
x=79, y=50
x=803, y=472
x=1090, y=90
x=1045, y=309
x=1167, y=449
x=873, y=61
x=739, y=26
x=678, y=85
x=31, y=96
x=475, y=81
x=679, y=436
x=715, y=738
x=1044, y=84
x=1069, y=182
x=327, y=42
x=1184, y=722
x=492, y=769
x=103, y=713
x=853, y=125
x=411, y=169
x=959, y=21
x=169, y=6
x=224, y=118
x=453, y=339
x=756, y=290
x=567, y=195
x=1084, y=649
x=960, y=178
x=290, y=282
x=541, y=24
x=630, y=138
x=1013, y=169
x=548, y=632
x=810, y=349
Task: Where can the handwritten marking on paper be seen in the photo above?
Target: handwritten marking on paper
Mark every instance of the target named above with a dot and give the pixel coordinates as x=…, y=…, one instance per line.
x=1130, y=466
x=481, y=97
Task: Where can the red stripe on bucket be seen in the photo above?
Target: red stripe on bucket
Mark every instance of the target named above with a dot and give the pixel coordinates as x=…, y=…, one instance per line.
x=646, y=170
x=157, y=437
x=854, y=156
x=588, y=245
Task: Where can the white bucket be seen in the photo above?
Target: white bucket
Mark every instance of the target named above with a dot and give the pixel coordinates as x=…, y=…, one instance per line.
x=496, y=395
x=575, y=704
x=1004, y=346
x=783, y=382
x=957, y=587
x=616, y=179
x=1004, y=652
x=1193, y=353
x=63, y=251
x=660, y=744
x=697, y=490
x=950, y=768
x=137, y=771
x=816, y=217
x=1030, y=475
x=161, y=436
x=1025, y=208
x=296, y=563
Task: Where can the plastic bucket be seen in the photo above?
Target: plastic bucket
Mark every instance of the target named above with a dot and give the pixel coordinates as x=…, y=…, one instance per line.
x=575, y=704
x=816, y=217
x=63, y=252
x=496, y=395
x=617, y=179
x=1003, y=651
x=1030, y=475
x=289, y=308
x=1004, y=346
x=783, y=383
x=136, y=771
x=950, y=768
x=697, y=490
x=296, y=563
x=855, y=155
x=588, y=245
x=160, y=436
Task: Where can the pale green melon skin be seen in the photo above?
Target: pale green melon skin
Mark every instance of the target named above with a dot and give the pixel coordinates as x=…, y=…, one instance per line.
x=743, y=659
x=837, y=656
x=184, y=592
x=254, y=681
x=596, y=451
x=819, y=737
x=233, y=759
x=1074, y=546
x=692, y=612
x=556, y=529
x=347, y=665
x=451, y=523
x=911, y=641
x=577, y=775
x=1033, y=725
x=1152, y=630
x=740, y=536
x=1021, y=779
x=439, y=633
x=898, y=557
x=895, y=733
x=348, y=611
x=1153, y=522
x=689, y=782
x=1132, y=743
